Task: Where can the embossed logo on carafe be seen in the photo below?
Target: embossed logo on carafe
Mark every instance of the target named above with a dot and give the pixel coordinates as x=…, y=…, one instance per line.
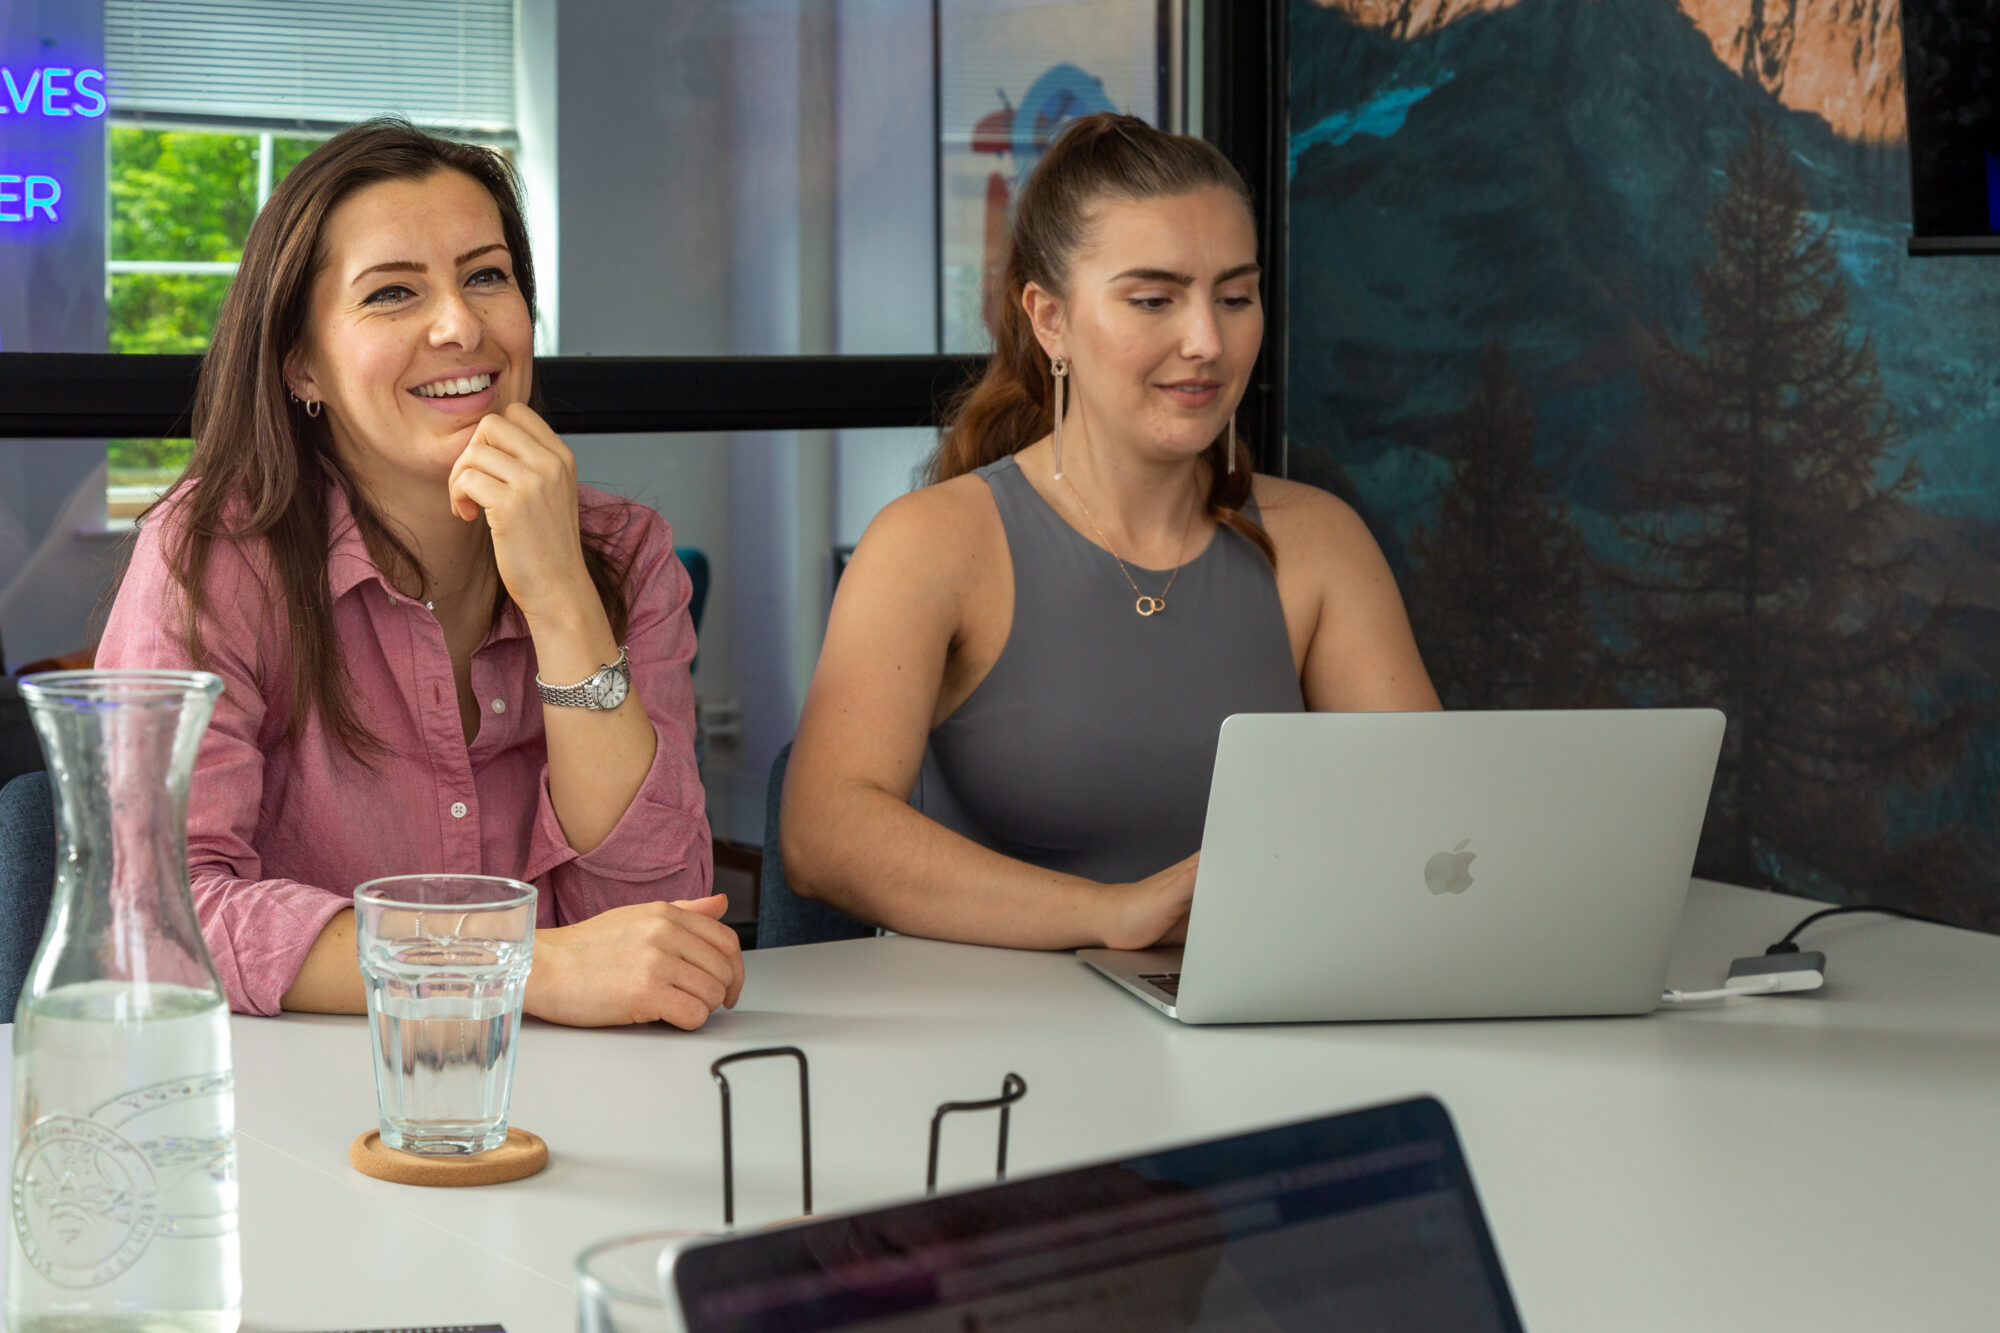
x=88, y=1202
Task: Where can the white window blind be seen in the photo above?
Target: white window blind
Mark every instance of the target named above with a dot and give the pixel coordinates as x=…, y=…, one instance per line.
x=448, y=64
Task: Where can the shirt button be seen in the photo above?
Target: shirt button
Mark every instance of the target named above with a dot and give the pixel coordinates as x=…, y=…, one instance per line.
x=458, y=809
x=499, y=705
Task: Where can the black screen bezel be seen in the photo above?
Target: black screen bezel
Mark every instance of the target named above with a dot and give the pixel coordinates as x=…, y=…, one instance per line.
x=761, y=1256
x=1951, y=56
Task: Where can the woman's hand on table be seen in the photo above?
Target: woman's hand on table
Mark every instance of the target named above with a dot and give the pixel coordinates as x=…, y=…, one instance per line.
x=1153, y=910
x=674, y=961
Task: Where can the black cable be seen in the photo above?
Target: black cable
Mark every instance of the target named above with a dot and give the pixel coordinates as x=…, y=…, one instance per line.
x=1785, y=945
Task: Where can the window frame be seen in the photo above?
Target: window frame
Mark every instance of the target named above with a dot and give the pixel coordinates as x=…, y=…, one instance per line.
x=74, y=395
x=91, y=395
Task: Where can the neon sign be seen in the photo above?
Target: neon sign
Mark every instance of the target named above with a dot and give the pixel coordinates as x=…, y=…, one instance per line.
x=50, y=92
x=28, y=195
x=59, y=91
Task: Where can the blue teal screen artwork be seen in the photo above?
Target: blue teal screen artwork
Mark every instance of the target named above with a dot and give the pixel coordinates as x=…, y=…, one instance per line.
x=1601, y=315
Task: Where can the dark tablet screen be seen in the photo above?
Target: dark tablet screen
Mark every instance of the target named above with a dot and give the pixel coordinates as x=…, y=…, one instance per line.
x=1364, y=1220
x=1951, y=67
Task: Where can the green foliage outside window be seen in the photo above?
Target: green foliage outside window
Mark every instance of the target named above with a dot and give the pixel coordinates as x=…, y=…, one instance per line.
x=177, y=195
x=288, y=153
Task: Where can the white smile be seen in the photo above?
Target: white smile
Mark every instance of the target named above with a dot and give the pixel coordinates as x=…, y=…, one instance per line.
x=457, y=388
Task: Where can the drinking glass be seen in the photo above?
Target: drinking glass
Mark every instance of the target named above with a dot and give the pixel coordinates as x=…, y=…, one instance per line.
x=618, y=1284
x=445, y=959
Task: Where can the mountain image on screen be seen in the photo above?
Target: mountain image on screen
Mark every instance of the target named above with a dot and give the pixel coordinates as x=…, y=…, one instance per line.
x=1601, y=316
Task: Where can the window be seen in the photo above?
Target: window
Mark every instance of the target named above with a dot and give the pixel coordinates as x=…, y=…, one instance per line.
x=181, y=205
x=213, y=102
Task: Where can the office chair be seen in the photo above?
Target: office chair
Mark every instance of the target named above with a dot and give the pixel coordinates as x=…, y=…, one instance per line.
x=695, y=561
x=27, y=878
x=20, y=752
x=782, y=916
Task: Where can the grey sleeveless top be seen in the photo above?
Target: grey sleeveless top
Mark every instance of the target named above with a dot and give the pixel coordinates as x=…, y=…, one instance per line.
x=1089, y=746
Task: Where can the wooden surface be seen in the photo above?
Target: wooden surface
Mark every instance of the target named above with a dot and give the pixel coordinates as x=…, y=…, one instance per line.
x=521, y=1156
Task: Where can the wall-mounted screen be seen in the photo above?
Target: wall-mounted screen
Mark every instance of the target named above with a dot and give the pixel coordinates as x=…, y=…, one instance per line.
x=1951, y=63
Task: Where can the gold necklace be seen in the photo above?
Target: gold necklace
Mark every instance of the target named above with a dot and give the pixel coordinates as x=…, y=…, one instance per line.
x=1145, y=605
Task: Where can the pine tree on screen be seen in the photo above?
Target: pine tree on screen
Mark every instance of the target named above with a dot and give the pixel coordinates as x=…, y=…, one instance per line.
x=1774, y=583
x=1497, y=600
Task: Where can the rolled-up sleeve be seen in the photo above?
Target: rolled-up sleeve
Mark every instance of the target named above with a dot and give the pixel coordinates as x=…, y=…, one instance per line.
x=660, y=848
x=258, y=930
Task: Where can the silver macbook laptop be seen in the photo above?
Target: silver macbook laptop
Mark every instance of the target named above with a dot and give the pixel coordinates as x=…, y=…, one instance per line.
x=1436, y=865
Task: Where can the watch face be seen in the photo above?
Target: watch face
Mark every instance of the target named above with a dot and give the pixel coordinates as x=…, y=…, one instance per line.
x=608, y=688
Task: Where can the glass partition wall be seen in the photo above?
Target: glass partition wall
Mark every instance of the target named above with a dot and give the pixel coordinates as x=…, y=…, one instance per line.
x=760, y=226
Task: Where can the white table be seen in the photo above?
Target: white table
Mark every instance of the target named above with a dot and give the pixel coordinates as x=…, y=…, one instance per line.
x=1825, y=1161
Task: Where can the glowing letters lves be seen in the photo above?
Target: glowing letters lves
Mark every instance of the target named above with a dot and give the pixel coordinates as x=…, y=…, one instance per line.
x=58, y=89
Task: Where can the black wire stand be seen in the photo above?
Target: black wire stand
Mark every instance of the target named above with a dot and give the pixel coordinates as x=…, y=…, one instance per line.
x=1012, y=1089
x=728, y=1137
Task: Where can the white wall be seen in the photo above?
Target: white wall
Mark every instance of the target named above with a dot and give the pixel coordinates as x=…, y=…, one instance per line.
x=638, y=128
x=746, y=177
x=886, y=234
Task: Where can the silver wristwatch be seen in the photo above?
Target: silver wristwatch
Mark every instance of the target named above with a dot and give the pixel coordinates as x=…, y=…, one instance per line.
x=601, y=691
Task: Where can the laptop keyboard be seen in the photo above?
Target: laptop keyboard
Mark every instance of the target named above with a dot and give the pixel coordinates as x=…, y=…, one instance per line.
x=1170, y=982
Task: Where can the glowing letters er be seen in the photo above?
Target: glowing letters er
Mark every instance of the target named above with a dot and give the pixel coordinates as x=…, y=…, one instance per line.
x=21, y=197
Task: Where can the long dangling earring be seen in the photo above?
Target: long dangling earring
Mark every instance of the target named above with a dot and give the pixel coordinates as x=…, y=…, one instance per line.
x=1059, y=367
x=1232, y=444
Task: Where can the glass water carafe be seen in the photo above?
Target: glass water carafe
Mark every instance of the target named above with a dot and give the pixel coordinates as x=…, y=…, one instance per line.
x=122, y=1163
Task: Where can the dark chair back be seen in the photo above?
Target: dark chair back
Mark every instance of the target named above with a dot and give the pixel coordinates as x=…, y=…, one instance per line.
x=695, y=561
x=27, y=879
x=20, y=752
x=782, y=916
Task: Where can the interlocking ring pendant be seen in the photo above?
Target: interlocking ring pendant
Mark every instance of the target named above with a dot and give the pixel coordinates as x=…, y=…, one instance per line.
x=1151, y=606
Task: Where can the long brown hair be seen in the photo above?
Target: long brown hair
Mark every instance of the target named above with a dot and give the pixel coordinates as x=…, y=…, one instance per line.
x=1098, y=157
x=262, y=468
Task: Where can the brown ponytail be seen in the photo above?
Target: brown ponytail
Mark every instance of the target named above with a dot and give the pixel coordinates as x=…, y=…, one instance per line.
x=1012, y=405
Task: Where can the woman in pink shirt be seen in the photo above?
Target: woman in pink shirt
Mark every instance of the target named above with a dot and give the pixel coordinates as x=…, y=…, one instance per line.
x=383, y=550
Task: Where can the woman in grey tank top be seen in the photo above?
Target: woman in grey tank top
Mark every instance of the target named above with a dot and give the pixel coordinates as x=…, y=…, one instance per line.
x=1010, y=734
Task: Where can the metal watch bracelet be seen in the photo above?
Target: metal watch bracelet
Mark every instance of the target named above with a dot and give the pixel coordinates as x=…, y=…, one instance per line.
x=585, y=694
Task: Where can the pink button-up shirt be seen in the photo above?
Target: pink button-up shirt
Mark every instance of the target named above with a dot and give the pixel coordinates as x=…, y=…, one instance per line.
x=280, y=832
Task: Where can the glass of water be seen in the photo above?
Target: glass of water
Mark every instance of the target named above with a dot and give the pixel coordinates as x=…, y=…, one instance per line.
x=618, y=1283
x=445, y=959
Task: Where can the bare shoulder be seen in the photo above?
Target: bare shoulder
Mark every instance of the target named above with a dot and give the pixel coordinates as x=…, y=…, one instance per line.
x=944, y=529
x=1308, y=521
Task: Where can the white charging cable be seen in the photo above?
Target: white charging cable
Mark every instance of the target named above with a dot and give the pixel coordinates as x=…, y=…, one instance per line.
x=1767, y=985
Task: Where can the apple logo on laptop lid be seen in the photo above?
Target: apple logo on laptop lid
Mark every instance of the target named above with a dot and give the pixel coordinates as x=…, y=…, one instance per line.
x=1450, y=872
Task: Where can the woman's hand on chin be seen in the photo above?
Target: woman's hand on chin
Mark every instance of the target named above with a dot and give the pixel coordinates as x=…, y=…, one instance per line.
x=523, y=477
x=1154, y=910
x=650, y=961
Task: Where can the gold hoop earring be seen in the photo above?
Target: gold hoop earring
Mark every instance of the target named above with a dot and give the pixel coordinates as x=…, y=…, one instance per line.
x=1059, y=368
x=312, y=407
x=1232, y=444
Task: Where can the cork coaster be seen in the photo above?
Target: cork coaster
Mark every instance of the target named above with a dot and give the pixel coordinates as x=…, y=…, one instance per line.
x=521, y=1155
